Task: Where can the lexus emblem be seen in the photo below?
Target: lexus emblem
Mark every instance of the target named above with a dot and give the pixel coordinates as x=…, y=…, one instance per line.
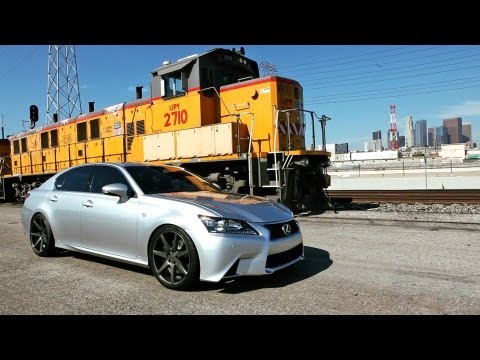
x=287, y=229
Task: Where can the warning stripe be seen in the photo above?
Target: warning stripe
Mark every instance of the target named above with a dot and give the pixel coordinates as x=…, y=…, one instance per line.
x=295, y=129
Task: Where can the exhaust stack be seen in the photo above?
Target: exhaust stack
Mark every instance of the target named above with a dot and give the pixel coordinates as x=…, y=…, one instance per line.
x=139, y=92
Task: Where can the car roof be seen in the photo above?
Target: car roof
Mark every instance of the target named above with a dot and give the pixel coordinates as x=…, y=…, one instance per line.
x=123, y=164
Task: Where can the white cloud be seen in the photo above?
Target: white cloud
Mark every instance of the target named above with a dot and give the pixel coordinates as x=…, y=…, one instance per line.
x=84, y=86
x=465, y=109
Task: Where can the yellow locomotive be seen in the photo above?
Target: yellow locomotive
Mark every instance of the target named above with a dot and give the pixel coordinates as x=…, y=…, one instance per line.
x=209, y=113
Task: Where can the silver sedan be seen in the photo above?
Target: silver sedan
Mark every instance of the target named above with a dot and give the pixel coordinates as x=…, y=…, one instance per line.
x=162, y=217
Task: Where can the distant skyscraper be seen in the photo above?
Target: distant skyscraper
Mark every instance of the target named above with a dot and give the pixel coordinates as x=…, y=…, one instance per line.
x=467, y=132
x=454, y=129
x=420, y=133
x=440, y=136
x=431, y=138
x=409, y=139
x=376, y=140
x=401, y=141
x=366, y=146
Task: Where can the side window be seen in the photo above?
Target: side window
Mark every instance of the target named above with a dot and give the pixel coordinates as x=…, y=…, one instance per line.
x=16, y=146
x=54, y=138
x=24, y=144
x=78, y=179
x=173, y=85
x=94, y=129
x=105, y=175
x=60, y=180
x=82, y=131
x=44, y=140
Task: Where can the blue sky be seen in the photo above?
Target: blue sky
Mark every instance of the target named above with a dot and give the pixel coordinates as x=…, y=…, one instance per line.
x=352, y=84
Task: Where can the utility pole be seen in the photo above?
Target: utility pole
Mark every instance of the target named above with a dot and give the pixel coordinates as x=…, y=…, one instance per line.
x=63, y=92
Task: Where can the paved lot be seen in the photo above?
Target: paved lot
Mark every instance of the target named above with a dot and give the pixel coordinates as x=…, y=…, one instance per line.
x=352, y=266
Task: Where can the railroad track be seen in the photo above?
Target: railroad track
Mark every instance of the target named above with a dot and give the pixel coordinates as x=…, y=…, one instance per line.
x=470, y=196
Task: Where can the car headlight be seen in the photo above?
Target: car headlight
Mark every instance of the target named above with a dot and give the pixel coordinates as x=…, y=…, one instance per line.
x=227, y=226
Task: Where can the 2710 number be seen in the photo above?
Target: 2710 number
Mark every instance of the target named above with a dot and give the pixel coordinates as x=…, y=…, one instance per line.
x=178, y=117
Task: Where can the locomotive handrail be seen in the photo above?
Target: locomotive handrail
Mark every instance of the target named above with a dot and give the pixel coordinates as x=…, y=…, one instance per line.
x=323, y=120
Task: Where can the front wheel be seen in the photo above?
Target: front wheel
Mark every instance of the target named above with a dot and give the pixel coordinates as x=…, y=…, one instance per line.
x=173, y=258
x=41, y=237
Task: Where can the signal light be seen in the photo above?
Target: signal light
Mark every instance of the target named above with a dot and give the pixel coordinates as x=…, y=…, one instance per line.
x=33, y=113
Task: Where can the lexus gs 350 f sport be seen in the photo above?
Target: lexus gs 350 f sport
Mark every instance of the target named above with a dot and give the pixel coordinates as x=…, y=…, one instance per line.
x=162, y=217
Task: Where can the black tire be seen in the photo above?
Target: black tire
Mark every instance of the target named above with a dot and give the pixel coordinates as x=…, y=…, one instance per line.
x=41, y=237
x=173, y=258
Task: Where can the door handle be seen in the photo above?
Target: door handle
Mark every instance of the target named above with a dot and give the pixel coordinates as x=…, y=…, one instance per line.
x=87, y=203
x=53, y=198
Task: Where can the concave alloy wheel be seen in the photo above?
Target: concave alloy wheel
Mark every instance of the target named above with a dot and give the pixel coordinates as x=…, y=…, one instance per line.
x=41, y=236
x=173, y=258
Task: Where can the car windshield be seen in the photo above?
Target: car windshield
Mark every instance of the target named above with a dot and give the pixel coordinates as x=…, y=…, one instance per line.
x=157, y=179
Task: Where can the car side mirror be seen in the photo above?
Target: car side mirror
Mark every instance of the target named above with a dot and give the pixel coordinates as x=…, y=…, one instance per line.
x=116, y=189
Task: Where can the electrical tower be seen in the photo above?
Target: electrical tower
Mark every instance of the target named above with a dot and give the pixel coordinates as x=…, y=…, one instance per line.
x=393, y=132
x=63, y=94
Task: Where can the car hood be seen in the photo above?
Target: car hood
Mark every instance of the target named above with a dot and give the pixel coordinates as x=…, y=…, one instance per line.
x=236, y=206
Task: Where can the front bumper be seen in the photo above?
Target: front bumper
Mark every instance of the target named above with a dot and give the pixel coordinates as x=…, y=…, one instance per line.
x=225, y=256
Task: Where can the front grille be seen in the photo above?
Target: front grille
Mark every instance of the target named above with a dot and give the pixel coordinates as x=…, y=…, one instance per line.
x=276, y=231
x=285, y=257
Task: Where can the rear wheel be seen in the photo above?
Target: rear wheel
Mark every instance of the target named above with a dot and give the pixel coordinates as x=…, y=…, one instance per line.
x=41, y=237
x=173, y=258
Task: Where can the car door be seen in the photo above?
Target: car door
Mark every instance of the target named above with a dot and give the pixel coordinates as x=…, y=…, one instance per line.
x=108, y=223
x=64, y=203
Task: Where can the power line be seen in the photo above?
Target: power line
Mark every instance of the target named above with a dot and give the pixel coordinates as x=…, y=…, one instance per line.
x=396, y=61
x=399, y=92
x=378, y=72
x=20, y=62
x=357, y=61
x=394, y=78
x=347, y=57
x=391, y=96
x=395, y=88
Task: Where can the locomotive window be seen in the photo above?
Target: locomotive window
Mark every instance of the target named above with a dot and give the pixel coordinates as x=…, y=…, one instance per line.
x=24, y=144
x=94, y=129
x=140, y=127
x=16, y=147
x=44, y=140
x=54, y=138
x=82, y=131
x=173, y=83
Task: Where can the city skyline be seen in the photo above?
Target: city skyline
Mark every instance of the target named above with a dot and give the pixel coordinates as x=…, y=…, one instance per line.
x=456, y=133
